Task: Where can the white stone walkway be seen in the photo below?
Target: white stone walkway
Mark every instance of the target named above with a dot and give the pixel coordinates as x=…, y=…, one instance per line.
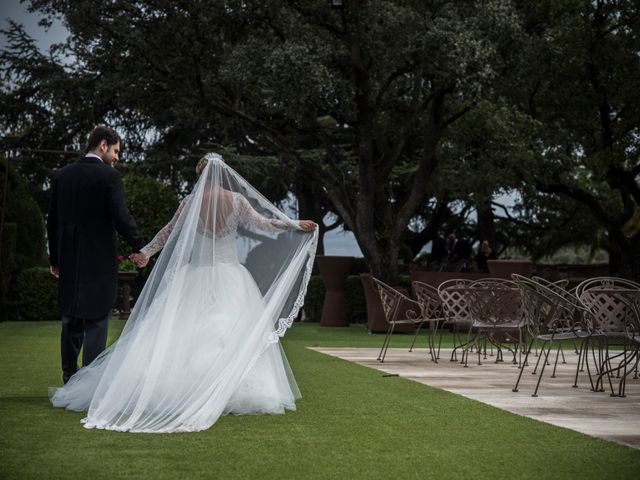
x=597, y=414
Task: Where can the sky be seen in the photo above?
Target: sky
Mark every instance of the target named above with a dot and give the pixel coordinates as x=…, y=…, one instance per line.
x=337, y=242
x=17, y=11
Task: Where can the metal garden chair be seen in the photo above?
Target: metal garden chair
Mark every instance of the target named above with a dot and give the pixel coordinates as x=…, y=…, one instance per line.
x=431, y=305
x=398, y=309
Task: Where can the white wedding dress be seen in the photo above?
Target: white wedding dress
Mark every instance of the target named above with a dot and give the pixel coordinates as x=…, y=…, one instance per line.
x=204, y=340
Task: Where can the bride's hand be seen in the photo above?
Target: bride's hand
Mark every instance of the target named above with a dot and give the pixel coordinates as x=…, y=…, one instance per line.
x=140, y=259
x=307, y=225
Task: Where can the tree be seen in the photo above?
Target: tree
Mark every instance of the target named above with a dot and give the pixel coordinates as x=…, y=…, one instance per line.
x=580, y=83
x=383, y=113
x=393, y=75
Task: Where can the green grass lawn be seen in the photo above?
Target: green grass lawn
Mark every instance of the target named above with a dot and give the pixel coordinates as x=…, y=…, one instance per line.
x=351, y=423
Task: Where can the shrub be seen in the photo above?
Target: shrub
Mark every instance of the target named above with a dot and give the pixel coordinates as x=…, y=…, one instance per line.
x=7, y=261
x=358, y=266
x=314, y=299
x=33, y=295
x=355, y=304
x=23, y=210
x=355, y=301
x=151, y=203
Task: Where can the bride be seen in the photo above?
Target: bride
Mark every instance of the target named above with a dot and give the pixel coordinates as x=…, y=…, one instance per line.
x=203, y=338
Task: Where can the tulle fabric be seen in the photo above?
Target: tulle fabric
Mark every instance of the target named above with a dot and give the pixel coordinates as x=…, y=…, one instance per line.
x=203, y=338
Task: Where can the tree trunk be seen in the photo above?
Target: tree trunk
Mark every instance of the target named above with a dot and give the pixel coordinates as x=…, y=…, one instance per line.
x=383, y=265
x=624, y=259
x=486, y=220
x=310, y=208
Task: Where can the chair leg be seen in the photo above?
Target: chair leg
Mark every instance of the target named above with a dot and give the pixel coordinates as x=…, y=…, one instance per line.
x=542, y=349
x=515, y=389
x=433, y=336
x=415, y=336
x=585, y=361
x=555, y=365
x=436, y=335
x=575, y=348
x=562, y=353
x=454, y=355
x=393, y=325
x=580, y=360
x=623, y=380
x=384, y=343
x=544, y=364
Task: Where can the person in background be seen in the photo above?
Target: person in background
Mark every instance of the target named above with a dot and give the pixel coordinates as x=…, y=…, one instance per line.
x=485, y=252
x=439, y=252
x=461, y=257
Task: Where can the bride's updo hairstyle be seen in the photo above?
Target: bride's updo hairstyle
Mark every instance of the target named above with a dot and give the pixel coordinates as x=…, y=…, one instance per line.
x=204, y=160
x=201, y=164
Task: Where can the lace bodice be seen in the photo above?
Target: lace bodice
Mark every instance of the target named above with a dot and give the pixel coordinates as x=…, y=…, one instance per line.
x=242, y=213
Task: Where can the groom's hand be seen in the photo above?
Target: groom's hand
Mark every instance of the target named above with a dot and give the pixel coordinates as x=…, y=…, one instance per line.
x=140, y=259
x=55, y=271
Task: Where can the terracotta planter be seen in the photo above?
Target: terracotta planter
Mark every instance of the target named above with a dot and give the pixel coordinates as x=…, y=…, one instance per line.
x=125, y=280
x=334, y=271
x=504, y=268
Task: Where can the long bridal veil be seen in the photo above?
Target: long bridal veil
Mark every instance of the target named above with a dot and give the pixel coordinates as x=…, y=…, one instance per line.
x=230, y=280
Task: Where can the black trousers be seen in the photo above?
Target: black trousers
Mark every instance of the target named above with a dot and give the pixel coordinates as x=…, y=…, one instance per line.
x=90, y=333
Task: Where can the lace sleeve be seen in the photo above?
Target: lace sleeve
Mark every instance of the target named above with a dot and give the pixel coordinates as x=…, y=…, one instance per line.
x=249, y=216
x=155, y=245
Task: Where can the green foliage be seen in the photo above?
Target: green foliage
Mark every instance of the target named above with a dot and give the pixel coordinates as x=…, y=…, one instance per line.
x=33, y=295
x=126, y=265
x=399, y=112
x=577, y=77
x=22, y=210
x=355, y=302
x=355, y=305
x=151, y=203
x=7, y=261
x=387, y=77
x=314, y=299
x=358, y=266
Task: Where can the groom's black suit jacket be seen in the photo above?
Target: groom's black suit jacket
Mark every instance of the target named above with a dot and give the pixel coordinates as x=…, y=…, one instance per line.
x=87, y=207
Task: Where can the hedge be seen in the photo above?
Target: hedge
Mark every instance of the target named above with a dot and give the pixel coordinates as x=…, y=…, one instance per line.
x=355, y=302
x=23, y=210
x=33, y=295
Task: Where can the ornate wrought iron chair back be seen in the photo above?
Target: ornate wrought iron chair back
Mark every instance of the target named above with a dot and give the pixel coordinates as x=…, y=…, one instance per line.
x=455, y=307
x=559, y=286
x=398, y=309
x=431, y=305
x=428, y=298
x=566, y=316
x=494, y=301
x=612, y=302
x=540, y=310
x=494, y=304
x=550, y=316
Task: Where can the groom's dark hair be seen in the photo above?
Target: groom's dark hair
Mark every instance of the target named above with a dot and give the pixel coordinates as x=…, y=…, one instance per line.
x=102, y=132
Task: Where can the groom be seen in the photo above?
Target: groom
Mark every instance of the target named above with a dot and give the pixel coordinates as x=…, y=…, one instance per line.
x=87, y=207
